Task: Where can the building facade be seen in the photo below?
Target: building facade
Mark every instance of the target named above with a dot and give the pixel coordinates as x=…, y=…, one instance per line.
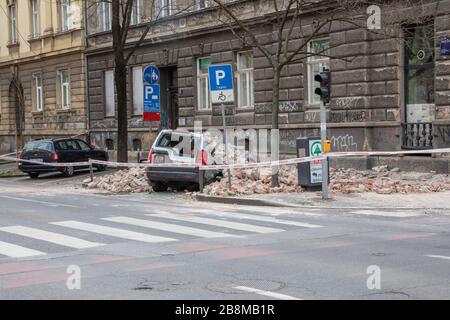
x=389, y=92
x=42, y=77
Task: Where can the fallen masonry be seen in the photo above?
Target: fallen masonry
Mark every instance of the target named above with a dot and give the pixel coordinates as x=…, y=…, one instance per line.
x=131, y=180
x=380, y=180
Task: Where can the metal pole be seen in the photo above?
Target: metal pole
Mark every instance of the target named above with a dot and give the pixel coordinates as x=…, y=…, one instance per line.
x=201, y=184
x=323, y=137
x=222, y=106
x=91, y=170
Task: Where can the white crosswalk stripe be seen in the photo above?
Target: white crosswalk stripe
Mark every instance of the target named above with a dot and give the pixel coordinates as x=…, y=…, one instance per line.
x=169, y=227
x=15, y=251
x=202, y=223
x=52, y=237
x=113, y=232
x=217, y=222
x=263, y=219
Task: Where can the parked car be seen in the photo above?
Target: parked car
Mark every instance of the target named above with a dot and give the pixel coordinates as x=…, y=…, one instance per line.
x=168, y=149
x=63, y=150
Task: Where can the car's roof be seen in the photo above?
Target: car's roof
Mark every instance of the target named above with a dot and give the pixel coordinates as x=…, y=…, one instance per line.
x=52, y=140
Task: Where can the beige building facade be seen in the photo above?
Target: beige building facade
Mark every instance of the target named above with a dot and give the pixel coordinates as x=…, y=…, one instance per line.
x=42, y=78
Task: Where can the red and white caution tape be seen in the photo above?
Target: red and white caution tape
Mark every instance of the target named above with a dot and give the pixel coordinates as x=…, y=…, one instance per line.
x=227, y=166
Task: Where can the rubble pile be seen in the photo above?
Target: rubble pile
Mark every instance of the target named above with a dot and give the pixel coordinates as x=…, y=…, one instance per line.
x=255, y=181
x=132, y=180
x=384, y=181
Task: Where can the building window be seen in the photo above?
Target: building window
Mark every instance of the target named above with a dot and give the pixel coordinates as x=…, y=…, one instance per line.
x=109, y=94
x=136, y=12
x=318, y=61
x=109, y=144
x=64, y=85
x=245, y=79
x=164, y=8
x=203, y=98
x=202, y=4
x=104, y=15
x=34, y=18
x=13, y=23
x=138, y=91
x=37, y=94
x=137, y=145
x=65, y=14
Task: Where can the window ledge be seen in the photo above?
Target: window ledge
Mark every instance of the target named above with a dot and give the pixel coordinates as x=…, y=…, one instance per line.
x=37, y=113
x=12, y=44
x=201, y=112
x=66, y=110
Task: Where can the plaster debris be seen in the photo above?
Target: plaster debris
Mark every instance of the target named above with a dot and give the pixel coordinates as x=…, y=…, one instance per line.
x=384, y=181
x=131, y=180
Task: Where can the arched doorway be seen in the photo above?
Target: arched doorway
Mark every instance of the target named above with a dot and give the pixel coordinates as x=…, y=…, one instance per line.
x=17, y=109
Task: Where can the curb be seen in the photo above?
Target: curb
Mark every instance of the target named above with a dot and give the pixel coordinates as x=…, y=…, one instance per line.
x=242, y=201
x=306, y=205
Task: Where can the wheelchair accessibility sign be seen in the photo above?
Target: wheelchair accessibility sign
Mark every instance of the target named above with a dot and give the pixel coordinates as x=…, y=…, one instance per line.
x=221, y=83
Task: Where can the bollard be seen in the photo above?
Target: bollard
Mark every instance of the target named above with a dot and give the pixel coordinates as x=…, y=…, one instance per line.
x=91, y=170
x=201, y=176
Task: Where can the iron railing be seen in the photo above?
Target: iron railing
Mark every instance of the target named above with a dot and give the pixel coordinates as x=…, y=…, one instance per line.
x=418, y=135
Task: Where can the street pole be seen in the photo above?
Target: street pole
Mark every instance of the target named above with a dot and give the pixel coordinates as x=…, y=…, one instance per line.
x=222, y=106
x=323, y=137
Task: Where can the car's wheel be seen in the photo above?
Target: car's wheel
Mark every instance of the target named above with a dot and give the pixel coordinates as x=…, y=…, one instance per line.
x=33, y=175
x=159, y=187
x=193, y=187
x=68, y=171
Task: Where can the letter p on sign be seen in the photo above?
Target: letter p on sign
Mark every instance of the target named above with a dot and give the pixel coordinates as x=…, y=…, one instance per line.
x=220, y=74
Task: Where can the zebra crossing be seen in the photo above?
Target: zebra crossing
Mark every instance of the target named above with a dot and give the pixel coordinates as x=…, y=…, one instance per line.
x=173, y=226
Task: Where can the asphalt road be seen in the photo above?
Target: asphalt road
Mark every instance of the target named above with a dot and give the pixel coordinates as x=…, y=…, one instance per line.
x=165, y=246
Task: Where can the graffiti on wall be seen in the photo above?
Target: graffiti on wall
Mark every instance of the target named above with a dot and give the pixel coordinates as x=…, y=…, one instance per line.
x=444, y=133
x=347, y=102
x=343, y=143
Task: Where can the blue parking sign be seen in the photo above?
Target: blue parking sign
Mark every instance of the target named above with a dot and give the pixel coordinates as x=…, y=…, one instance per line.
x=220, y=77
x=221, y=83
x=152, y=106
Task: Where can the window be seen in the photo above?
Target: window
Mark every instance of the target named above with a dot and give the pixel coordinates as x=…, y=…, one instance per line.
x=13, y=23
x=104, y=15
x=83, y=145
x=109, y=144
x=137, y=144
x=109, y=94
x=245, y=79
x=164, y=8
x=65, y=15
x=68, y=145
x=34, y=18
x=37, y=94
x=136, y=13
x=138, y=91
x=316, y=64
x=202, y=4
x=203, y=99
x=64, y=82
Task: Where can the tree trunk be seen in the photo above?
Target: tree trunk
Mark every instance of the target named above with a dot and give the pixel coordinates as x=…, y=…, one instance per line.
x=275, y=109
x=120, y=79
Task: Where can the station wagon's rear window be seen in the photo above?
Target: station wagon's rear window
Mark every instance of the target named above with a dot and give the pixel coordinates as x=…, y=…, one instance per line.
x=39, y=145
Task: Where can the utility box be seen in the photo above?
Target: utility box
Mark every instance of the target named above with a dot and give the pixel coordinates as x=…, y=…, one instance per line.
x=309, y=173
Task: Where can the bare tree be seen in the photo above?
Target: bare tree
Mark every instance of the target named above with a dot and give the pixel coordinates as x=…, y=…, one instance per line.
x=124, y=48
x=292, y=29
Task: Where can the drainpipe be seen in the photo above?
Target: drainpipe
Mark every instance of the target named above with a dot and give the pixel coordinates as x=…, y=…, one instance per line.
x=86, y=82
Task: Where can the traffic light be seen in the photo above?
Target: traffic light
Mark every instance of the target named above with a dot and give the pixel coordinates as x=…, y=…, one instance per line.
x=325, y=89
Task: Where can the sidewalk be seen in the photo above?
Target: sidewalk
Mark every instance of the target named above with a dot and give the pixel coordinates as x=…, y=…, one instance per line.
x=366, y=200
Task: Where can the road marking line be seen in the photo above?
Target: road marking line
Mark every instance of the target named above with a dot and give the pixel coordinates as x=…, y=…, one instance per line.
x=169, y=227
x=53, y=204
x=218, y=223
x=437, y=256
x=52, y=237
x=264, y=219
x=113, y=232
x=267, y=293
x=393, y=214
x=15, y=251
